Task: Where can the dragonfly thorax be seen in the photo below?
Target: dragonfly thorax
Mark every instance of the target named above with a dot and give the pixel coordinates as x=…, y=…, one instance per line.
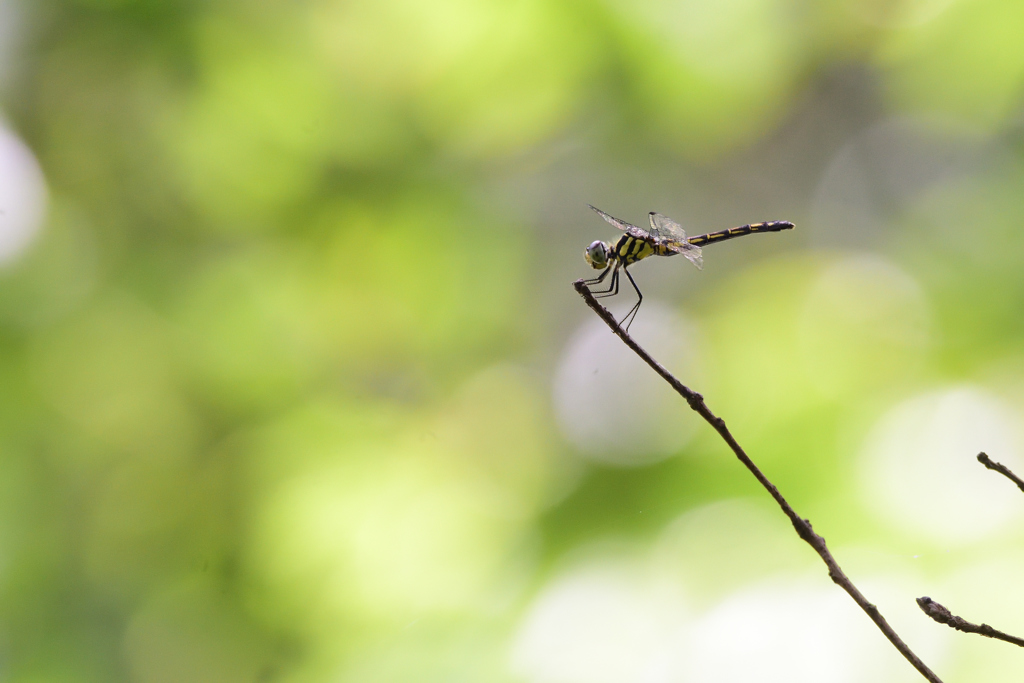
x=597, y=254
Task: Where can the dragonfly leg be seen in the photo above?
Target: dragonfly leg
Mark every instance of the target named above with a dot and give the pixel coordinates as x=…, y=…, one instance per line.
x=613, y=288
x=631, y=316
x=597, y=280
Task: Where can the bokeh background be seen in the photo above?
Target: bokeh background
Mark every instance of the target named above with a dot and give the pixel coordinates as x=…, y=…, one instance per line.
x=294, y=386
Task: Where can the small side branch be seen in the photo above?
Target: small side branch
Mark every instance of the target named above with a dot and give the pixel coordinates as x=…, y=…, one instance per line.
x=802, y=526
x=944, y=616
x=1001, y=469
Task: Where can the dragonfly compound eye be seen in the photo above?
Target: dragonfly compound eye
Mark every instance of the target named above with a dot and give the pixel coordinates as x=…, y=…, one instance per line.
x=597, y=255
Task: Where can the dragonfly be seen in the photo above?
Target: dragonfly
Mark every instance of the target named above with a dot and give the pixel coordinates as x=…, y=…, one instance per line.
x=665, y=238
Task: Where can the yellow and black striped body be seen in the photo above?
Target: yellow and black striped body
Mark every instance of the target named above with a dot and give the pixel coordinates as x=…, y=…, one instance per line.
x=666, y=238
x=627, y=250
x=721, y=235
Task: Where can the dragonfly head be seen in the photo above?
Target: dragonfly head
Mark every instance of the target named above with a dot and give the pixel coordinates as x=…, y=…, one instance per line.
x=597, y=255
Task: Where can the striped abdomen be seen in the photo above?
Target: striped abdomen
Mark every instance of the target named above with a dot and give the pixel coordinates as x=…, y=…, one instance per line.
x=712, y=237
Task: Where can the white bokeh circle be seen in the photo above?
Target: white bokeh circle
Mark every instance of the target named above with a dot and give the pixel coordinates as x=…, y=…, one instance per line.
x=600, y=624
x=611, y=621
x=919, y=469
x=610, y=405
x=793, y=632
x=22, y=196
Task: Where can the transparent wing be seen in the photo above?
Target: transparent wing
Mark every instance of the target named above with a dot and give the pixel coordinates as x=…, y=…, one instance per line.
x=665, y=228
x=690, y=251
x=627, y=228
x=671, y=235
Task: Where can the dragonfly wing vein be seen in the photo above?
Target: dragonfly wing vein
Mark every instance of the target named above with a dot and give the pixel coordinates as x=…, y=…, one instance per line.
x=691, y=251
x=627, y=228
x=666, y=228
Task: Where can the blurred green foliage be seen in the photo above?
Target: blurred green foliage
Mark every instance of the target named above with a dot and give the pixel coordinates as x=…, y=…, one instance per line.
x=275, y=374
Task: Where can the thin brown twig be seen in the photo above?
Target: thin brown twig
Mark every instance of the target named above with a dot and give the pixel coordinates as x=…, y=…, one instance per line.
x=944, y=616
x=939, y=612
x=802, y=526
x=1001, y=469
